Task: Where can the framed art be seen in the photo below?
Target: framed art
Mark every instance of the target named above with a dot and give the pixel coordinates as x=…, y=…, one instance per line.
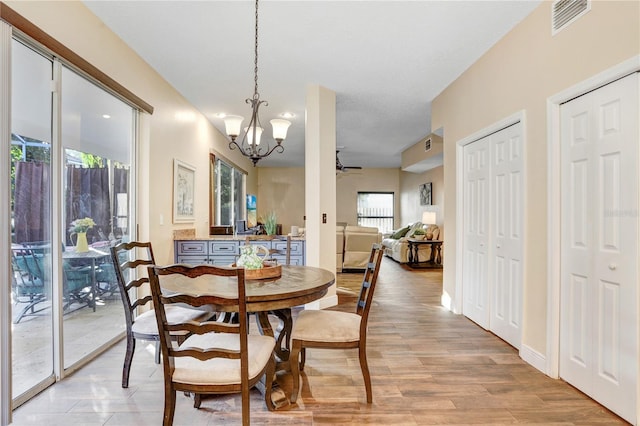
x=425, y=194
x=184, y=179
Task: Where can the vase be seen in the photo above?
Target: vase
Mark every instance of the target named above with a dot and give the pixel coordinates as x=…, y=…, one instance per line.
x=249, y=256
x=82, y=245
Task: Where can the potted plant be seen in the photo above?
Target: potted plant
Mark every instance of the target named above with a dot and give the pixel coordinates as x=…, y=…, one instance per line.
x=270, y=223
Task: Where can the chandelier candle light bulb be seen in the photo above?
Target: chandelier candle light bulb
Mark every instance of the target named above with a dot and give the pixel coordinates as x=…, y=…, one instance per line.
x=250, y=135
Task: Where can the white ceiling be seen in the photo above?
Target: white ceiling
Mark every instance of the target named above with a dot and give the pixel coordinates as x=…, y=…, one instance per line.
x=386, y=60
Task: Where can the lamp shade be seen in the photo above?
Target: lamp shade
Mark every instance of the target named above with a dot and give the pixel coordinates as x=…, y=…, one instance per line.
x=232, y=124
x=249, y=131
x=429, y=218
x=280, y=128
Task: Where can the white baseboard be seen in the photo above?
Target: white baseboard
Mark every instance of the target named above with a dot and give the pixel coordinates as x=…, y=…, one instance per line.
x=445, y=301
x=533, y=357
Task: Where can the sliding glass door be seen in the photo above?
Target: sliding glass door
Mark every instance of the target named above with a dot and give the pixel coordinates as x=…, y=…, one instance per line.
x=97, y=136
x=31, y=219
x=70, y=201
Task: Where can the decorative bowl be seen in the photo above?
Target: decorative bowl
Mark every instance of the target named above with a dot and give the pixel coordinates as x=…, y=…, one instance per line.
x=268, y=270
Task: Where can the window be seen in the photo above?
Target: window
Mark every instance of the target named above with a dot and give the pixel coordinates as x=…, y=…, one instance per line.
x=229, y=193
x=376, y=209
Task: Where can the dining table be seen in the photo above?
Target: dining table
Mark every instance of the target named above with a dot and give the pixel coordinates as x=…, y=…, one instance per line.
x=90, y=258
x=296, y=286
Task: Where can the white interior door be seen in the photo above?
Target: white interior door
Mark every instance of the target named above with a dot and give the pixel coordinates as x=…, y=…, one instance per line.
x=492, y=223
x=475, y=275
x=599, y=226
x=506, y=234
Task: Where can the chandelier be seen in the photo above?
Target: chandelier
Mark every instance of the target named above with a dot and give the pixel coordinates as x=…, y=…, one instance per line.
x=249, y=145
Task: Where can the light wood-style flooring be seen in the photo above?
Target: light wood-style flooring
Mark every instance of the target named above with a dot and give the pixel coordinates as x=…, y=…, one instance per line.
x=428, y=366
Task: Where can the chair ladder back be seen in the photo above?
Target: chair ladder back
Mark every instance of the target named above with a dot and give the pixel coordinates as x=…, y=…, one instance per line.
x=160, y=301
x=365, y=298
x=125, y=268
x=286, y=252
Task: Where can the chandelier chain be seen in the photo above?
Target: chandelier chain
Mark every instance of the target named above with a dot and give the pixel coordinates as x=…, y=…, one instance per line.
x=249, y=145
x=255, y=63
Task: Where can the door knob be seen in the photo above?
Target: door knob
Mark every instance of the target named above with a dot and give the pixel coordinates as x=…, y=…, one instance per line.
x=498, y=246
x=612, y=266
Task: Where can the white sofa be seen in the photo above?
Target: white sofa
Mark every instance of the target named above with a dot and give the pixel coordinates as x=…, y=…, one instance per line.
x=340, y=247
x=357, y=245
x=398, y=248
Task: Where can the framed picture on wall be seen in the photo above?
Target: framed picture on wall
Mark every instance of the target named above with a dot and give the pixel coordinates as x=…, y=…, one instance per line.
x=425, y=194
x=184, y=179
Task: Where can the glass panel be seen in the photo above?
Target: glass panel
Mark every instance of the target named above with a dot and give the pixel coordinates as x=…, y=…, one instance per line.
x=229, y=192
x=239, y=204
x=97, y=132
x=32, y=328
x=376, y=209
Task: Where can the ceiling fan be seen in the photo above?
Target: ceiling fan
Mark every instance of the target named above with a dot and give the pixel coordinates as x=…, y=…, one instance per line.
x=342, y=168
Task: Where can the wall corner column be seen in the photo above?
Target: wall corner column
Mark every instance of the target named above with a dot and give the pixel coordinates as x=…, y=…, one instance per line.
x=320, y=183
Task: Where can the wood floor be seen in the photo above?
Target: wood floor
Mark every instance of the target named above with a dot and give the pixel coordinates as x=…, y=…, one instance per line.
x=428, y=366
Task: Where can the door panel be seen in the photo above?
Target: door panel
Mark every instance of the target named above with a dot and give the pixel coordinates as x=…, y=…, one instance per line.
x=475, y=279
x=31, y=287
x=599, y=317
x=492, y=277
x=506, y=239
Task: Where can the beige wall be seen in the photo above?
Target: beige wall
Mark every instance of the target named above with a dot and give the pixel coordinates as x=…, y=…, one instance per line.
x=519, y=73
x=366, y=180
x=281, y=189
x=410, y=207
x=175, y=130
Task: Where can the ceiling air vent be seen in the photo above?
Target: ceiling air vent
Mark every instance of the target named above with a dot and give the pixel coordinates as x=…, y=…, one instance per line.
x=567, y=11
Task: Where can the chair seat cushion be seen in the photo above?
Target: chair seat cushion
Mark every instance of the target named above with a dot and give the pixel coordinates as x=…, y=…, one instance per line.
x=327, y=326
x=221, y=371
x=145, y=323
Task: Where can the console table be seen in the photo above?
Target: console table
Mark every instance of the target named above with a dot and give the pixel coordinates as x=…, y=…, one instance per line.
x=435, y=260
x=221, y=250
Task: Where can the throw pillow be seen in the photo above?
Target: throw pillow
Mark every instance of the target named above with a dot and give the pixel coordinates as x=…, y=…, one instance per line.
x=412, y=229
x=400, y=233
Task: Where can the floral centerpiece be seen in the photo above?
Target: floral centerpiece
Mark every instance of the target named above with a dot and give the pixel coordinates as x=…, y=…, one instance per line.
x=82, y=225
x=79, y=227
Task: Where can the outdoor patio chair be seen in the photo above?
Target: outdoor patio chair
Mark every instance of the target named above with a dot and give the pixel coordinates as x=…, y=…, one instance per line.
x=27, y=284
x=76, y=288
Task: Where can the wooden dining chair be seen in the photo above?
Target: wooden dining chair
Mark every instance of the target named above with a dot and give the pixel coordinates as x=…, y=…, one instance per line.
x=219, y=357
x=135, y=294
x=337, y=330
